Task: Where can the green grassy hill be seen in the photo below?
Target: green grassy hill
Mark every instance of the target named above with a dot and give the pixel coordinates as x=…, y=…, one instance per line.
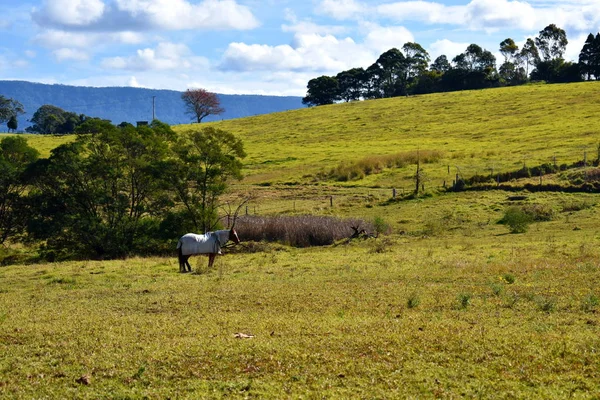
x=473, y=131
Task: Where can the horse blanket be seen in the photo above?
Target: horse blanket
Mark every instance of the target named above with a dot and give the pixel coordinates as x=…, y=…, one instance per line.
x=210, y=242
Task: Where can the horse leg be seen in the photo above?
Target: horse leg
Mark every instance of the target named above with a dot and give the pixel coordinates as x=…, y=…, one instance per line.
x=187, y=263
x=181, y=261
x=211, y=259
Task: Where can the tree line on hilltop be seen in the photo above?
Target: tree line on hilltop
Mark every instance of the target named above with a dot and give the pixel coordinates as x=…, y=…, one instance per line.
x=407, y=71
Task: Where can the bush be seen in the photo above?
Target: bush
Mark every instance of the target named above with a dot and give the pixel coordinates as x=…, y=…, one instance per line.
x=517, y=219
x=298, y=231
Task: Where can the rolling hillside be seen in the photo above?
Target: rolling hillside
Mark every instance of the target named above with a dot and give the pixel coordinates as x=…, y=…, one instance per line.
x=473, y=132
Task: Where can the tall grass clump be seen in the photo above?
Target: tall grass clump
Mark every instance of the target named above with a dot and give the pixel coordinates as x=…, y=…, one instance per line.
x=349, y=171
x=297, y=231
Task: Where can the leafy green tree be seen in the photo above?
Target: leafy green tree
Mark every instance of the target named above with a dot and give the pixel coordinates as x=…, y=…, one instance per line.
x=511, y=74
x=12, y=124
x=321, y=91
x=393, y=66
x=15, y=157
x=98, y=196
x=374, y=82
x=206, y=161
x=9, y=108
x=417, y=59
x=530, y=55
x=509, y=50
x=552, y=42
x=589, y=57
x=440, y=64
x=351, y=84
x=97, y=125
x=47, y=119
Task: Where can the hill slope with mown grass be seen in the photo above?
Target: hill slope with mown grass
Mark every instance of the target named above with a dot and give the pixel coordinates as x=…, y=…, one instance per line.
x=471, y=132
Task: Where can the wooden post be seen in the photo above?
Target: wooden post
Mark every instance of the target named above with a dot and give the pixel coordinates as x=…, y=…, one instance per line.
x=394, y=193
x=331, y=201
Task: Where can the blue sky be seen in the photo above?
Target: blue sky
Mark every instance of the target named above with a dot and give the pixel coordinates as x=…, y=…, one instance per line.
x=251, y=46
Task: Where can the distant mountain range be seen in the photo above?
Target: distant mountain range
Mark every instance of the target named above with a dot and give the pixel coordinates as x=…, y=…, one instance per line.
x=130, y=104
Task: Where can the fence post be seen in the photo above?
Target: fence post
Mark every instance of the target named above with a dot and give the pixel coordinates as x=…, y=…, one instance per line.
x=331, y=201
x=394, y=193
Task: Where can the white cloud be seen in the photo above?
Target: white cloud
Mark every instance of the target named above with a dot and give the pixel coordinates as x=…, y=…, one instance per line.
x=30, y=53
x=423, y=11
x=133, y=82
x=166, y=56
x=341, y=9
x=494, y=15
x=308, y=52
x=74, y=13
x=446, y=47
x=137, y=15
x=381, y=39
x=66, y=54
x=90, y=41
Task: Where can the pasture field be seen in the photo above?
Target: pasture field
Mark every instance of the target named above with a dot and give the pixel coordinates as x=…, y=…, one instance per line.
x=453, y=307
x=448, y=305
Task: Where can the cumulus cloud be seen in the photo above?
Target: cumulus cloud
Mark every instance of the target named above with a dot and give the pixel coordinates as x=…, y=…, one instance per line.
x=308, y=52
x=341, y=9
x=166, y=56
x=139, y=15
x=486, y=15
x=380, y=39
x=446, y=47
x=73, y=13
x=68, y=54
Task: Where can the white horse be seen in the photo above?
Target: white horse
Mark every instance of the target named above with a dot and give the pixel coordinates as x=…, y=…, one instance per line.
x=210, y=243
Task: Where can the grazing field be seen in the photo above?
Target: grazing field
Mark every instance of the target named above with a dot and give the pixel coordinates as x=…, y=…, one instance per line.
x=453, y=307
x=450, y=304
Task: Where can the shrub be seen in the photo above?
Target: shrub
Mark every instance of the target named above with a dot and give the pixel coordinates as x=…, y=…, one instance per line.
x=381, y=226
x=517, y=219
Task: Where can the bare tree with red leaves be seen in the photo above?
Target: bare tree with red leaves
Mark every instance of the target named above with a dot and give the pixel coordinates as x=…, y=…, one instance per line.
x=201, y=103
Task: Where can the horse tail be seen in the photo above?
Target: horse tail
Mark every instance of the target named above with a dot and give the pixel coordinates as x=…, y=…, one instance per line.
x=179, y=244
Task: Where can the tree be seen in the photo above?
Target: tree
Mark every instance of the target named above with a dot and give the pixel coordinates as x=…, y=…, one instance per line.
x=97, y=125
x=351, y=84
x=589, y=57
x=530, y=55
x=417, y=59
x=9, y=108
x=15, y=157
x=201, y=103
x=47, y=119
x=206, y=161
x=12, y=124
x=393, y=66
x=509, y=50
x=321, y=91
x=99, y=196
x=552, y=42
x=441, y=64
